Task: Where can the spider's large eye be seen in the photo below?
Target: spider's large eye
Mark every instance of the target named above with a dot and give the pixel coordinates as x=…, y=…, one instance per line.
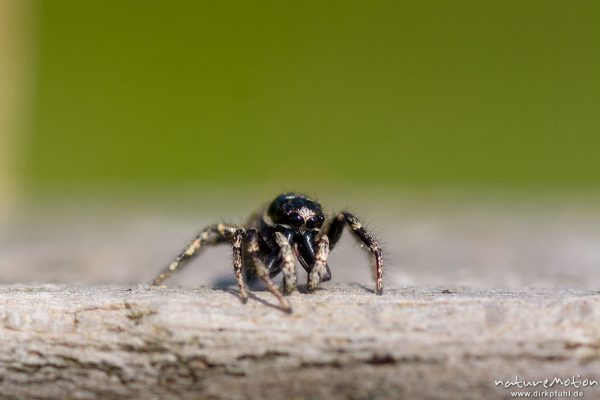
x=296, y=220
x=313, y=222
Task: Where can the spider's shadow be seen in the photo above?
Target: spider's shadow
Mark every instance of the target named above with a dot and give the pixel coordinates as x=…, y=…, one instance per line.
x=366, y=288
x=252, y=296
x=225, y=284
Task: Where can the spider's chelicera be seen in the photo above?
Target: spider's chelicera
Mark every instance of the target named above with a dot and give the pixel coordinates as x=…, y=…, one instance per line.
x=292, y=227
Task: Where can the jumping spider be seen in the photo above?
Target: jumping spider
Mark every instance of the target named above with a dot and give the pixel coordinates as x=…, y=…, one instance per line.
x=291, y=227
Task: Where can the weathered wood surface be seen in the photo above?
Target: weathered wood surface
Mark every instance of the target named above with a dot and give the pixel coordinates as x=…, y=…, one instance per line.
x=60, y=341
x=416, y=341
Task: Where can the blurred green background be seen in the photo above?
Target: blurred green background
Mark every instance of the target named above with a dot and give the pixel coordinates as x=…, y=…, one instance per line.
x=393, y=93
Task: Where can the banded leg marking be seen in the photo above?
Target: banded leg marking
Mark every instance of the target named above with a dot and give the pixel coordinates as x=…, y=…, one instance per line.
x=238, y=238
x=288, y=266
x=335, y=232
x=319, y=270
x=210, y=235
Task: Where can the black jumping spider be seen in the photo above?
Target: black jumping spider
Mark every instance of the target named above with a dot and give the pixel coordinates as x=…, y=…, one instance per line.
x=291, y=227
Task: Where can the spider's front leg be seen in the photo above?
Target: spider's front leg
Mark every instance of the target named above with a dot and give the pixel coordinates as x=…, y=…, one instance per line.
x=250, y=236
x=238, y=238
x=213, y=234
x=335, y=232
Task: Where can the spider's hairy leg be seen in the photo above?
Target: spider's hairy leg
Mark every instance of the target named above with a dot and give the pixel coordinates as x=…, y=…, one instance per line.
x=335, y=232
x=261, y=269
x=238, y=238
x=212, y=234
x=319, y=270
x=287, y=260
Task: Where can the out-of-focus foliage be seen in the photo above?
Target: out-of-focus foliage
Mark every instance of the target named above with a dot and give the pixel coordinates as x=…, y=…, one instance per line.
x=403, y=93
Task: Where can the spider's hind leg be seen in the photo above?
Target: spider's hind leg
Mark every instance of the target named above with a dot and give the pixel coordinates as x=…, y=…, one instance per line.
x=212, y=234
x=335, y=232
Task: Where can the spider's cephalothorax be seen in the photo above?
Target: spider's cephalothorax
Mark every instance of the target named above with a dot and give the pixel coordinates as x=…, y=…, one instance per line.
x=290, y=228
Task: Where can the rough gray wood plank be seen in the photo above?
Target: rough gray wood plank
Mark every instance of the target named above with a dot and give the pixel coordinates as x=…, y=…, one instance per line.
x=342, y=342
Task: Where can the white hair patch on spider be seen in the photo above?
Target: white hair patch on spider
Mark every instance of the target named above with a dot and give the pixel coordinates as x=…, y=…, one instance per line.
x=306, y=213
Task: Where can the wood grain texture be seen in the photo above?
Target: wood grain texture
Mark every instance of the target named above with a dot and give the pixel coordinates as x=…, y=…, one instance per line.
x=60, y=341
